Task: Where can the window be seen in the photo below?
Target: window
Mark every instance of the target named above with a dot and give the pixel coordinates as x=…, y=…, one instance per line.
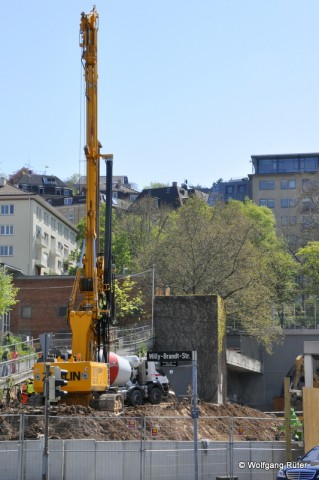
x=45, y=259
x=66, y=232
x=26, y=312
x=67, y=192
x=133, y=197
x=46, y=218
x=287, y=184
x=266, y=185
x=53, y=223
x=39, y=213
x=242, y=189
x=267, y=166
x=46, y=238
x=309, y=164
x=6, y=322
x=270, y=203
x=7, y=209
x=307, y=205
x=114, y=194
x=68, y=201
x=71, y=217
x=62, y=311
x=229, y=189
x=6, y=229
x=288, y=165
x=289, y=220
x=288, y=202
x=6, y=250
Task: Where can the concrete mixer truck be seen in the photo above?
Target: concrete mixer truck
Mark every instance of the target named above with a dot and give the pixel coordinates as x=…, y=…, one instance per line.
x=137, y=379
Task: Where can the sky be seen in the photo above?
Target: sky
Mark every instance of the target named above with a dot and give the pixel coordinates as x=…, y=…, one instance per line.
x=188, y=89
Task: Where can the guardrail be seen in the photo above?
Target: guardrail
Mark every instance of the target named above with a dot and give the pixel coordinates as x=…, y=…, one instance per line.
x=17, y=370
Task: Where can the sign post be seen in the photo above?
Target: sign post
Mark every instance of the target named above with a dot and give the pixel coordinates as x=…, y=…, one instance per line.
x=195, y=412
x=172, y=359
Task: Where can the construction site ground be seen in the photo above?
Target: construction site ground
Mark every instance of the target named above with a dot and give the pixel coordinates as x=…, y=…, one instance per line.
x=170, y=420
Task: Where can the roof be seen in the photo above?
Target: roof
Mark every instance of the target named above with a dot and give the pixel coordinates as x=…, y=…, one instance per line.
x=11, y=190
x=24, y=177
x=15, y=192
x=286, y=155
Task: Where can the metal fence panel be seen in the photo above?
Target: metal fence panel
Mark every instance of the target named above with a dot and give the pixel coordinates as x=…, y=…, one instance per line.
x=118, y=460
x=9, y=460
x=141, y=448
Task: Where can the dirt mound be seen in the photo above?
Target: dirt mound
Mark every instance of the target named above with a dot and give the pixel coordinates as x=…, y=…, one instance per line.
x=171, y=420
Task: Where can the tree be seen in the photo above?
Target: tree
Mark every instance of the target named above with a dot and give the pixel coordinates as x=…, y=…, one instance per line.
x=156, y=185
x=128, y=302
x=8, y=292
x=309, y=258
x=72, y=181
x=230, y=250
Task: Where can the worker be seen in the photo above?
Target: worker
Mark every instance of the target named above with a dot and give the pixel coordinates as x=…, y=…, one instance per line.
x=27, y=390
x=13, y=357
x=5, y=368
x=24, y=393
x=30, y=387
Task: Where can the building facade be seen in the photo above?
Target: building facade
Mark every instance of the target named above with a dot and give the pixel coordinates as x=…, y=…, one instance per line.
x=34, y=237
x=281, y=183
x=235, y=189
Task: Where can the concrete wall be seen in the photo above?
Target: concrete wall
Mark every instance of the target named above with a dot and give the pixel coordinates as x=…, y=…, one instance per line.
x=259, y=390
x=195, y=323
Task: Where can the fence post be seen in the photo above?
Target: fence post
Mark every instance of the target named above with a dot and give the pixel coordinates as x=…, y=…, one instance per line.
x=21, y=444
x=231, y=447
x=142, y=449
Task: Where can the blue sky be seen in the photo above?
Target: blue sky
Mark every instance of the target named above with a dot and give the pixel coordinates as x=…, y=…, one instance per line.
x=188, y=89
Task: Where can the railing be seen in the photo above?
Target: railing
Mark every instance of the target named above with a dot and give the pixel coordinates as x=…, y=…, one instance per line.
x=128, y=340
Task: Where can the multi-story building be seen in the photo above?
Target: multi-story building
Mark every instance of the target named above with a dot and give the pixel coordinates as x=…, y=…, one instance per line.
x=34, y=237
x=172, y=197
x=281, y=183
x=236, y=189
x=46, y=186
x=74, y=207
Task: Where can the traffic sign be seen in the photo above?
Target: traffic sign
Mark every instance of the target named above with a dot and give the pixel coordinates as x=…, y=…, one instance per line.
x=170, y=356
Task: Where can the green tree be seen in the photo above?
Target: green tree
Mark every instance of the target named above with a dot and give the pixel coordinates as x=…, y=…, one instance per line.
x=128, y=302
x=71, y=182
x=230, y=250
x=8, y=292
x=156, y=185
x=309, y=267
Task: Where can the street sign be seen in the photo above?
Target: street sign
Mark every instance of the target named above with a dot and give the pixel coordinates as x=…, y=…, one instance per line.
x=169, y=364
x=170, y=356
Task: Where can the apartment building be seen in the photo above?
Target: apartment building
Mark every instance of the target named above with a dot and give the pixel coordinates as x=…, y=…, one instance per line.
x=34, y=237
x=236, y=189
x=281, y=182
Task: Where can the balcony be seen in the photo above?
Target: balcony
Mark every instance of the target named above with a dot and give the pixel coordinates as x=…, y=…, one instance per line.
x=41, y=262
x=55, y=252
x=40, y=241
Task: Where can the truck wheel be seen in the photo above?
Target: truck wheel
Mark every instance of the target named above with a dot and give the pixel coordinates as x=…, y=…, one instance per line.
x=136, y=398
x=155, y=395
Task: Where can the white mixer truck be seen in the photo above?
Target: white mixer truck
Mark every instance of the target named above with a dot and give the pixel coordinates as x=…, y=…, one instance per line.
x=137, y=379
